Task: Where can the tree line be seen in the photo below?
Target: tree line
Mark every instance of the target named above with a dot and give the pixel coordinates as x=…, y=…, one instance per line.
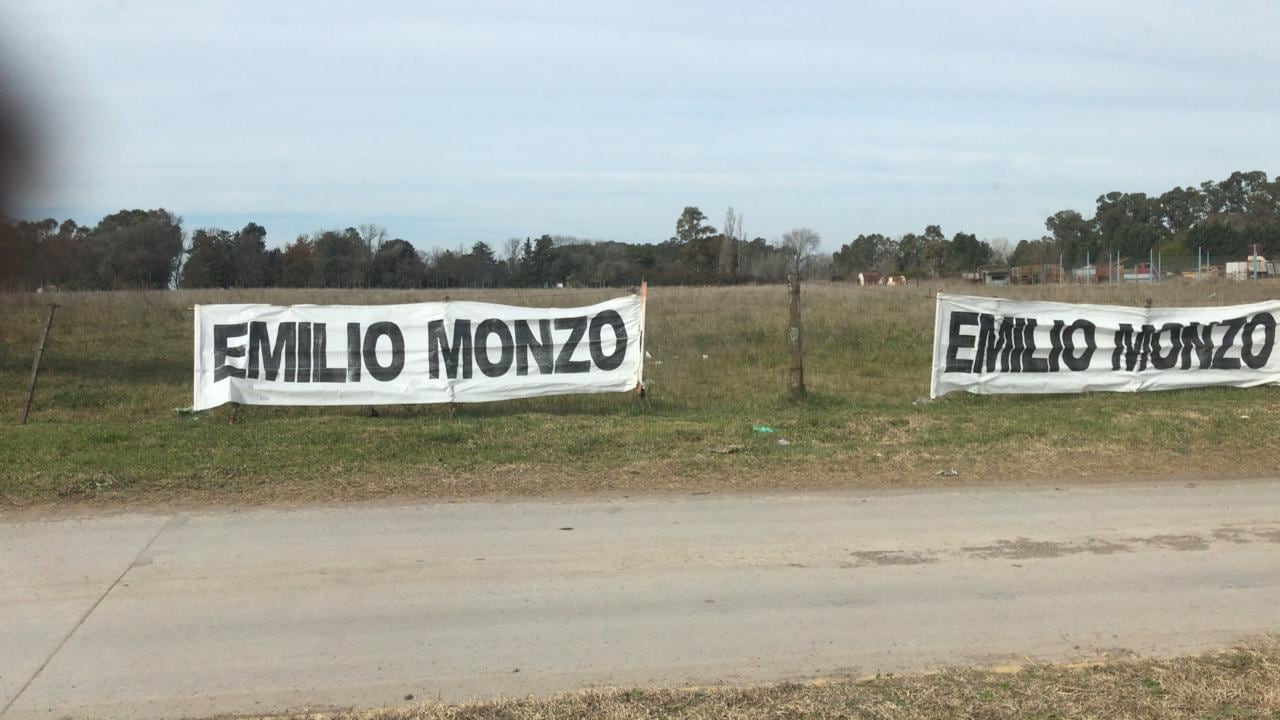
x=149, y=249
x=1219, y=220
x=127, y=249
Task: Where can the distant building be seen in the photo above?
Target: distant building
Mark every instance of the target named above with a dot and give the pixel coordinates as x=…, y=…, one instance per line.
x=987, y=276
x=1256, y=265
x=1086, y=274
x=1206, y=272
x=995, y=276
x=1142, y=272
x=1035, y=274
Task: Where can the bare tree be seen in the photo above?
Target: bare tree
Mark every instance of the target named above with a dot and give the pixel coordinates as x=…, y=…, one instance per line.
x=728, y=262
x=372, y=237
x=511, y=253
x=179, y=260
x=800, y=244
x=1000, y=250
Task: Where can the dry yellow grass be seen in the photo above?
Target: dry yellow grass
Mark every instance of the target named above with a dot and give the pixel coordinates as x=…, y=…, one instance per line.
x=1240, y=683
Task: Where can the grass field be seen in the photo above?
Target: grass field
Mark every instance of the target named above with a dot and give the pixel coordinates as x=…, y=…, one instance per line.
x=1241, y=683
x=104, y=430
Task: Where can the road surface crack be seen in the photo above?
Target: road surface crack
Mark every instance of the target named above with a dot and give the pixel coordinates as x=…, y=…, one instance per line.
x=173, y=520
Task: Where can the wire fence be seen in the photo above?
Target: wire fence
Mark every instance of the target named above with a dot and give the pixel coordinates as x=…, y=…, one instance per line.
x=703, y=341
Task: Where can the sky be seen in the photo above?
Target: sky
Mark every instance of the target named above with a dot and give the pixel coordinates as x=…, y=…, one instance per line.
x=455, y=122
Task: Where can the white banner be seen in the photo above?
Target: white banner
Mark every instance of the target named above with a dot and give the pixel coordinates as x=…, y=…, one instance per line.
x=406, y=354
x=989, y=345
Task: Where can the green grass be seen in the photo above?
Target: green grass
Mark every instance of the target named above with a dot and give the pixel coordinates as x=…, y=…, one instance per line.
x=104, y=428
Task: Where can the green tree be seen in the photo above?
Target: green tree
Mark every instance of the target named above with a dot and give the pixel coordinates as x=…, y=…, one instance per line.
x=699, y=245
x=1034, y=252
x=933, y=250
x=1074, y=235
x=911, y=255
x=340, y=259
x=866, y=253
x=397, y=264
x=136, y=249
x=1182, y=208
x=63, y=260
x=537, y=260
x=297, y=263
x=249, y=256
x=967, y=253
x=482, y=267
x=1130, y=223
x=208, y=263
x=21, y=246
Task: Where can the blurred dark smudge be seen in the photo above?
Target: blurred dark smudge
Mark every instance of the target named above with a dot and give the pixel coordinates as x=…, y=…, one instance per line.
x=16, y=143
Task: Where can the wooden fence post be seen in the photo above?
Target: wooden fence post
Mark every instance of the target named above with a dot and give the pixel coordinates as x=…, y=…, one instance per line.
x=644, y=309
x=35, y=367
x=793, y=333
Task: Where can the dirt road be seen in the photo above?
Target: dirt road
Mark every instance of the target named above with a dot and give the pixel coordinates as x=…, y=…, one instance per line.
x=261, y=610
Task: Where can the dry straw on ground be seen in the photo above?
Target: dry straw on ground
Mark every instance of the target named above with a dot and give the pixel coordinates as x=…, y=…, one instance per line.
x=1240, y=683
